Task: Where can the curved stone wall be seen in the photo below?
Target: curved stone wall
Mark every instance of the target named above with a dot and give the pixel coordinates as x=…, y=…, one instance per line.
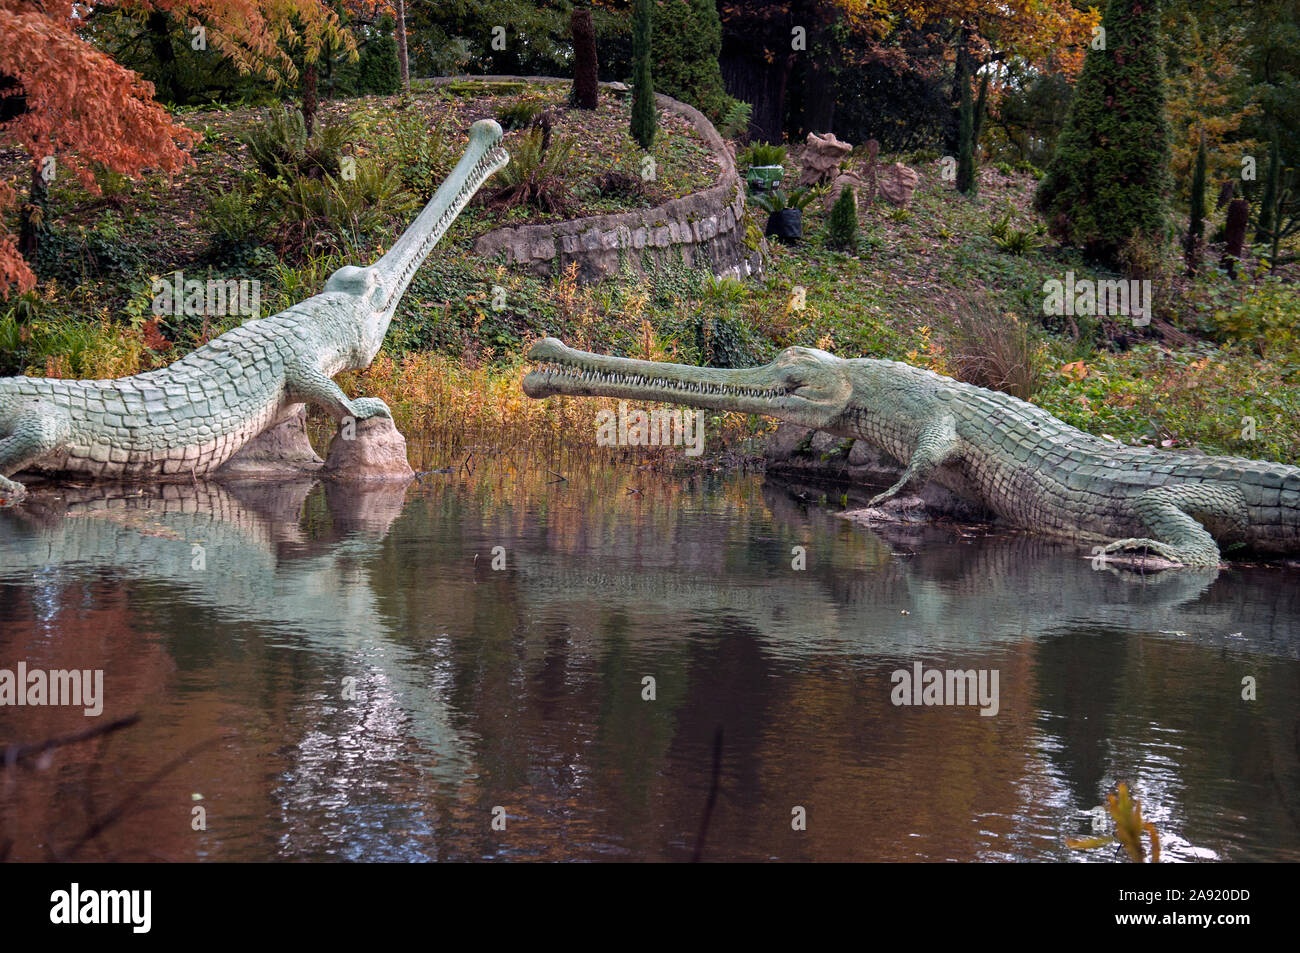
x=703, y=229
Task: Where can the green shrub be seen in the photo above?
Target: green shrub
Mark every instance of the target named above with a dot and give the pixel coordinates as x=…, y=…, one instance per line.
x=421, y=154
x=842, y=226
x=1108, y=181
x=686, y=39
x=378, y=70
x=723, y=341
x=1267, y=319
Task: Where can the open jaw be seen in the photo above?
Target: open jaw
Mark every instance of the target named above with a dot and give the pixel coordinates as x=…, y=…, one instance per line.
x=562, y=370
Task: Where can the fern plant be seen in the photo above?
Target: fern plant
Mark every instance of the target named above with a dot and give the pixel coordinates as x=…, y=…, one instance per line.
x=520, y=113
x=1012, y=241
x=762, y=153
x=777, y=201
x=736, y=120
x=336, y=213
x=535, y=174
x=235, y=217
x=281, y=147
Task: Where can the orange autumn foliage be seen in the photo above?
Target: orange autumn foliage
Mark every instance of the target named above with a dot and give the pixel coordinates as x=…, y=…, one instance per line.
x=87, y=111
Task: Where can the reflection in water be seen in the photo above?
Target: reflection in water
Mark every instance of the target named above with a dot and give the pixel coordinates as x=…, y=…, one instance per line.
x=378, y=687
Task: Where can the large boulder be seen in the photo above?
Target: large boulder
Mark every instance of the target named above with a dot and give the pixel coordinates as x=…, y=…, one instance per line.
x=896, y=182
x=822, y=157
x=861, y=189
x=281, y=450
x=368, y=450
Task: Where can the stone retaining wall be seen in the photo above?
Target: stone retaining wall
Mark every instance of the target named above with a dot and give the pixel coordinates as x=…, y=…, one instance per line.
x=703, y=229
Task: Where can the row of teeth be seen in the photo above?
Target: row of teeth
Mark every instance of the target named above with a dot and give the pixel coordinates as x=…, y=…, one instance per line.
x=583, y=376
x=488, y=163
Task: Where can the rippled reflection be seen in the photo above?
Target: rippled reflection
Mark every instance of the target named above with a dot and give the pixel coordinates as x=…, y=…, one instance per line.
x=377, y=688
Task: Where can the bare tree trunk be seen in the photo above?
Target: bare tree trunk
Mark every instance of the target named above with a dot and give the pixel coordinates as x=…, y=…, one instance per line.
x=585, y=86
x=160, y=42
x=1235, y=234
x=32, y=213
x=309, y=97
x=402, y=60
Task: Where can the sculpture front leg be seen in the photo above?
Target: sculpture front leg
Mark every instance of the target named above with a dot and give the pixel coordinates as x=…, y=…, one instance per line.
x=936, y=446
x=313, y=387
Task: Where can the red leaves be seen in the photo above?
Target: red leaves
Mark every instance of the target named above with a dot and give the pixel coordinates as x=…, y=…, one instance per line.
x=87, y=110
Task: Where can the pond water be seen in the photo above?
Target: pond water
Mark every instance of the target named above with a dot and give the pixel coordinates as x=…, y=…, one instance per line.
x=341, y=674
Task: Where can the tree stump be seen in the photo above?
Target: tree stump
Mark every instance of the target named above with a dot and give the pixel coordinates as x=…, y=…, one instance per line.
x=1235, y=234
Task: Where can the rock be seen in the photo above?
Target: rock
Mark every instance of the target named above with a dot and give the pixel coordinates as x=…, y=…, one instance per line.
x=376, y=451
x=793, y=456
x=897, y=183
x=283, y=449
x=822, y=443
x=822, y=157
x=861, y=188
x=864, y=454
x=783, y=442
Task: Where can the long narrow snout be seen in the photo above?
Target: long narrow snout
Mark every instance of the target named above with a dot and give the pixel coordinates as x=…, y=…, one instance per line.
x=564, y=370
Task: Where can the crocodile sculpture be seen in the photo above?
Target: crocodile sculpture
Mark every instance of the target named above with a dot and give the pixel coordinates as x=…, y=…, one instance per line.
x=1016, y=460
x=192, y=416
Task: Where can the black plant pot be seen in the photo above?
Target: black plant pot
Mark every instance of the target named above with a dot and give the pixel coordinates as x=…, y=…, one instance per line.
x=785, y=225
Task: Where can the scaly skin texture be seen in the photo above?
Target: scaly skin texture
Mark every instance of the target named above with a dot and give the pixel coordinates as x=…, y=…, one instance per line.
x=1031, y=469
x=191, y=417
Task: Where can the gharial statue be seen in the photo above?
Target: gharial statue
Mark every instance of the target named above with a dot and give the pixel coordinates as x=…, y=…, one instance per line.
x=192, y=416
x=1016, y=460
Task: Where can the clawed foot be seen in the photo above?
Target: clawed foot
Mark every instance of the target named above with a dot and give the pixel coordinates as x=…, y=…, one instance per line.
x=1174, y=554
x=885, y=497
x=11, y=492
x=898, y=509
x=367, y=407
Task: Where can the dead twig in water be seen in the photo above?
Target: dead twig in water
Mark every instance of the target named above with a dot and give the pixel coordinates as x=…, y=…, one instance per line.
x=15, y=753
x=713, y=797
x=120, y=810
